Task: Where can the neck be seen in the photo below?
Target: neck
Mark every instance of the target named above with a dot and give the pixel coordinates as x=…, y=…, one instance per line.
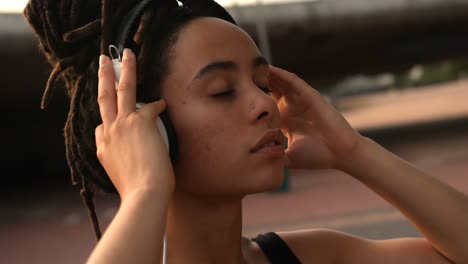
x=206, y=229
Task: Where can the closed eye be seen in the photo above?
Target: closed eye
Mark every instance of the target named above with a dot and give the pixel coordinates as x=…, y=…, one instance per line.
x=223, y=94
x=265, y=89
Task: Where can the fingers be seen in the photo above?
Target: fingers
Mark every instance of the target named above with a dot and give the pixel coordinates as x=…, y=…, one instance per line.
x=106, y=91
x=289, y=84
x=286, y=83
x=126, y=93
x=99, y=133
x=122, y=102
x=153, y=109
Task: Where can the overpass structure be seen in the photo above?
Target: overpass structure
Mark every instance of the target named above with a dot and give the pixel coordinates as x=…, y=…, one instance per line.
x=320, y=40
x=327, y=39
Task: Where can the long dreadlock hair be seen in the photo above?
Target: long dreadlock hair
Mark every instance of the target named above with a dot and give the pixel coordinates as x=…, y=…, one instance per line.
x=72, y=34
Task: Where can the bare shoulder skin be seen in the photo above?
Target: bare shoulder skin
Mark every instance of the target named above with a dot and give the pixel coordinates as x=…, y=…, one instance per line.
x=330, y=246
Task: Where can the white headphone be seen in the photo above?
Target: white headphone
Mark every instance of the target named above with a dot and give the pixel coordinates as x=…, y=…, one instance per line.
x=117, y=64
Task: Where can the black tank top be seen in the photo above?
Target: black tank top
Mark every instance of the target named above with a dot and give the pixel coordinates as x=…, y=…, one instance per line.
x=276, y=250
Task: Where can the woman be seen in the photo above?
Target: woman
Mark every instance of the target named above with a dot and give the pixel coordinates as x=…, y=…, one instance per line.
x=229, y=108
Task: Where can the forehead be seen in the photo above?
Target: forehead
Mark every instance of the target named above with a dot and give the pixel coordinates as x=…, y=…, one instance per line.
x=205, y=40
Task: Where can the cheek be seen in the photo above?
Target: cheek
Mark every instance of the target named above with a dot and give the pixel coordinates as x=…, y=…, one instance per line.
x=204, y=139
x=202, y=135
x=202, y=127
x=201, y=156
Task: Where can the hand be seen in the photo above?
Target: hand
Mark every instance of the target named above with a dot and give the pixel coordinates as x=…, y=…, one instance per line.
x=129, y=145
x=318, y=136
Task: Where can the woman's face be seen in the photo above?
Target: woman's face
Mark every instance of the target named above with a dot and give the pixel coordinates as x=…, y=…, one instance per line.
x=220, y=107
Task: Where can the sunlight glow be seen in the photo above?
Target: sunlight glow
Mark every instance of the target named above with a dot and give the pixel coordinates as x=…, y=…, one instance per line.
x=12, y=6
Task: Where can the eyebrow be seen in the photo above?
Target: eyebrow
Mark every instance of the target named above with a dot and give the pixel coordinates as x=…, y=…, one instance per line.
x=227, y=66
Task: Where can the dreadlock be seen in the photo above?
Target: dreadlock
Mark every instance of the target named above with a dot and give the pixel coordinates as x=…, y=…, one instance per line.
x=72, y=34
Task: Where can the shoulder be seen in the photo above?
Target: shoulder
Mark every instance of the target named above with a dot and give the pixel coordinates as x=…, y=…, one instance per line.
x=330, y=246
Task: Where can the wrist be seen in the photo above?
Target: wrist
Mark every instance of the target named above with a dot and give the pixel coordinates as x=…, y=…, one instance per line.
x=354, y=158
x=148, y=184
x=146, y=194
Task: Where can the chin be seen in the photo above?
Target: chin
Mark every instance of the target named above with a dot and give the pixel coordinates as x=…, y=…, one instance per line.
x=227, y=181
x=268, y=180
x=277, y=183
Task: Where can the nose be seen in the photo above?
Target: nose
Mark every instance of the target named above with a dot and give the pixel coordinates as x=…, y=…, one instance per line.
x=261, y=107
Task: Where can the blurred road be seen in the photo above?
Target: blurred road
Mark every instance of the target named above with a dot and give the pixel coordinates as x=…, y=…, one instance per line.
x=396, y=108
x=51, y=226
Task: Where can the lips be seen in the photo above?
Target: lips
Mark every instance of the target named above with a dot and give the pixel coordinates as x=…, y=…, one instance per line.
x=270, y=139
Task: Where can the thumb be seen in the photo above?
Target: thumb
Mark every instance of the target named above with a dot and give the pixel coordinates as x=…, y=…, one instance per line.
x=153, y=109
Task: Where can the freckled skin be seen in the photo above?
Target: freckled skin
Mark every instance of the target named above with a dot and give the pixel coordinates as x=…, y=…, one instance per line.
x=215, y=135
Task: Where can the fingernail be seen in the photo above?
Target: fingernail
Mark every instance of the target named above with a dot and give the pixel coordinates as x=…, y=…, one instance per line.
x=102, y=60
x=127, y=52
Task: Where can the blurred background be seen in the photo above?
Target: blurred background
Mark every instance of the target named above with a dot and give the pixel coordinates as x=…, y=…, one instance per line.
x=396, y=69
